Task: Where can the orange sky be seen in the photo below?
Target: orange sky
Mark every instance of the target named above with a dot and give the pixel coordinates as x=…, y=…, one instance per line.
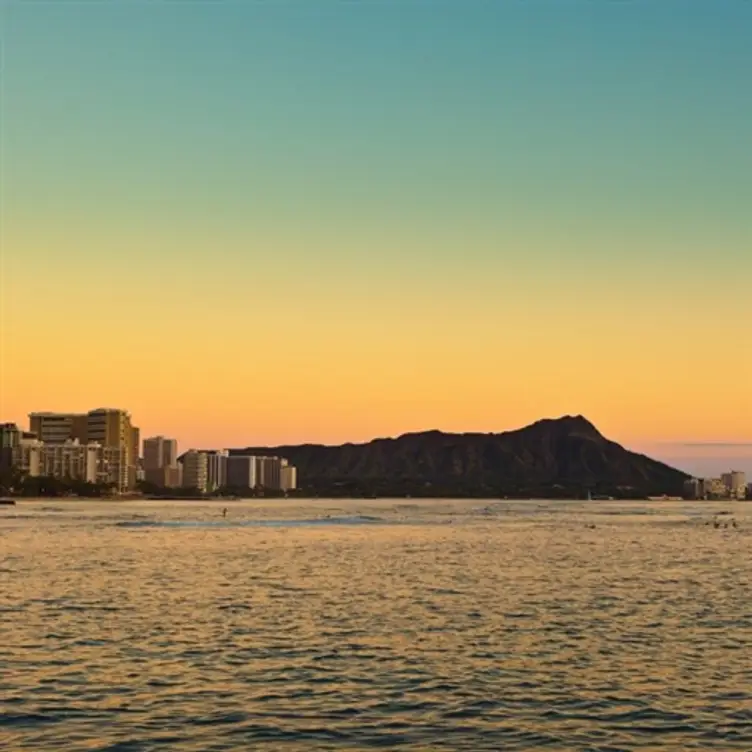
x=347, y=254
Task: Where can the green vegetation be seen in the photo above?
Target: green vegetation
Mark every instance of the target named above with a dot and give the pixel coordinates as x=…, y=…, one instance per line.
x=228, y=492
x=14, y=483
x=469, y=488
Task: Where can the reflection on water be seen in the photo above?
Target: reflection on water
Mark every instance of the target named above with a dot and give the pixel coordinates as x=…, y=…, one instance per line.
x=355, y=519
x=356, y=625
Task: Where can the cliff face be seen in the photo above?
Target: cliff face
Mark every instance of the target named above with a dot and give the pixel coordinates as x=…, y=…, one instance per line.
x=568, y=452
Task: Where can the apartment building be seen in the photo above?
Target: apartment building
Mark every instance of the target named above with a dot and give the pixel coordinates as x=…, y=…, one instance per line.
x=735, y=483
x=161, y=466
x=195, y=470
x=110, y=428
x=112, y=461
x=27, y=457
x=10, y=435
x=19, y=450
x=57, y=428
x=288, y=478
x=216, y=469
x=268, y=471
x=241, y=471
x=731, y=485
x=160, y=452
x=257, y=471
x=67, y=460
x=70, y=460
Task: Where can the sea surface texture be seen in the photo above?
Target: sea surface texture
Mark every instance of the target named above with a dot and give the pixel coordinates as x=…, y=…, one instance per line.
x=375, y=625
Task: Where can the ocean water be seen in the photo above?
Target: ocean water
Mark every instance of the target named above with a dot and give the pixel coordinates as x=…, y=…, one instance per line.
x=362, y=625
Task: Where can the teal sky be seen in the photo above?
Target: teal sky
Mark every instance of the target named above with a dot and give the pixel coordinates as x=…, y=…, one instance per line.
x=466, y=166
x=535, y=116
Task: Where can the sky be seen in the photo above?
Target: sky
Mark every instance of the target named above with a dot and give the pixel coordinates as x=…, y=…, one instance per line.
x=274, y=222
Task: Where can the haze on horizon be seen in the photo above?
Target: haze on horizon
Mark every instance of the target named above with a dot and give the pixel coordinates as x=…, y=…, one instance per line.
x=272, y=223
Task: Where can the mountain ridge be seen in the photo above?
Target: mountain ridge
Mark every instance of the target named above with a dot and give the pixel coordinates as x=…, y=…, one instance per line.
x=564, y=455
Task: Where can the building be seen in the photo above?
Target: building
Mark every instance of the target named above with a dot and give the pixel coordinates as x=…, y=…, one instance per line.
x=195, y=470
x=288, y=478
x=735, y=483
x=203, y=469
x=241, y=471
x=112, y=460
x=170, y=452
x=70, y=460
x=112, y=427
x=257, y=471
x=713, y=488
x=160, y=452
x=57, y=428
x=692, y=488
x=216, y=469
x=64, y=460
x=165, y=477
x=19, y=450
x=10, y=437
x=28, y=456
x=161, y=466
x=268, y=472
x=109, y=427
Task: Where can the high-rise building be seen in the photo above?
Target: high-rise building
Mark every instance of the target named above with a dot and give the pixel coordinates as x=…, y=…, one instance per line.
x=108, y=427
x=27, y=456
x=713, y=488
x=19, y=450
x=70, y=461
x=135, y=452
x=170, y=452
x=735, y=483
x=165, y=477
x=152, y=448
x=161, y=465
x=10, y=437
x=216, y=469
x=112, y=427
x=268, y=471
x=57, y=428
x=288, y=478
x=160, y=452
x=692, y=488
x=256, y=471
x=241, y=471
x=194, y=470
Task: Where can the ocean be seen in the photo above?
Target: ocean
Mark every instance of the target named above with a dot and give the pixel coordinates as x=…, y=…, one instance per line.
x=360, y=625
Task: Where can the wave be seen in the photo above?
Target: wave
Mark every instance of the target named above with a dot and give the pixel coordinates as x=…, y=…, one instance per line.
x=225, y=523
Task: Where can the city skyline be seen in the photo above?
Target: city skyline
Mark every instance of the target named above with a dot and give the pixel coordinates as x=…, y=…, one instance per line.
x=700, y=459
x=267, y=224
x=103, y=448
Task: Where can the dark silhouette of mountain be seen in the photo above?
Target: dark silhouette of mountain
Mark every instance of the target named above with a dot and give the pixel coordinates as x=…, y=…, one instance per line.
x=560, y=457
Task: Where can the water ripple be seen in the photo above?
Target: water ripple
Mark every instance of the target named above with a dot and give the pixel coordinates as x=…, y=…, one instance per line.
x=370, y=625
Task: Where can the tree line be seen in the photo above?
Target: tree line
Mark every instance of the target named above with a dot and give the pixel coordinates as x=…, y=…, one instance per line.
x=15, y=483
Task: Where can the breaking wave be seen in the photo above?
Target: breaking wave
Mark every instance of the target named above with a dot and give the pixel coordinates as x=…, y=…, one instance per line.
x=225, y=523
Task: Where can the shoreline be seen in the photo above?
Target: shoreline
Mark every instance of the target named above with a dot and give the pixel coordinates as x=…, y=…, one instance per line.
x=9, y=501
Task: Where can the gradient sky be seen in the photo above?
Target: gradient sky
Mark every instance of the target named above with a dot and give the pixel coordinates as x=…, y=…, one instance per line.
x=269, y=222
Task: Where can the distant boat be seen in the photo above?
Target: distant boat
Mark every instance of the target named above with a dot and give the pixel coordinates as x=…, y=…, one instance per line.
x=8, y=502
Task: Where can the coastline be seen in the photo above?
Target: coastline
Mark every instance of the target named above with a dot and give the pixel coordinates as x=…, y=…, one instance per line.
x=11, y=501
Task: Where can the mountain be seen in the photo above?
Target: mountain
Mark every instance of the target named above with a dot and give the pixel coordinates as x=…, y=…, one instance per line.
x=567, y=456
